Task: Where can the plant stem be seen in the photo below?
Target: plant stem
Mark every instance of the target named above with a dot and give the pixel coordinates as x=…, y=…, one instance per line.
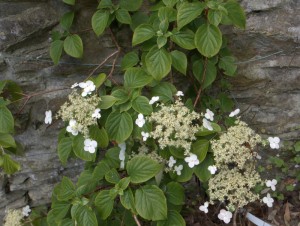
x=136, y=220
x=203, y=79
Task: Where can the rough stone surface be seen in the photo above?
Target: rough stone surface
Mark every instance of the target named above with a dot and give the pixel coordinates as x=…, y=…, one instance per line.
x=267, y=87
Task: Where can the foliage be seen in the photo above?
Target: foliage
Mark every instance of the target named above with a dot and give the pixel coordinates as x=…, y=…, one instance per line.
x=9, y=91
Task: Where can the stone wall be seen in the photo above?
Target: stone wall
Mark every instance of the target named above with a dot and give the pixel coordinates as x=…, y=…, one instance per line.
x=268, y=86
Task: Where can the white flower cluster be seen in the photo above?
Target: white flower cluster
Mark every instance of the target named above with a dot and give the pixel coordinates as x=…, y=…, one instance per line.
x=80, y=112
x=209, y=115
x=171, y=164
x=88, y=87
x=174, y=126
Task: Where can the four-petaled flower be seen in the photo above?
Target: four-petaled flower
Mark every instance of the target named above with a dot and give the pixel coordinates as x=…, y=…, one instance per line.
x=204, y=207
x=225, y=216
x=90, y=145
x=72, y=128
x=171, y=162
x=122, y=146
x=274, y=142
x=271, y=184
x=74, y=85
x=96, y=113
x=209, y=115
x=268, y=200
x=234, y=113
x=154, y=99
x=88, y=87
x=26, y=210
x=179, y=94
x=48, y=117
x=145, y=135
x=192, y=160
x=178, y=169
x=140, y=121
x=212, y=169
x=207, y=124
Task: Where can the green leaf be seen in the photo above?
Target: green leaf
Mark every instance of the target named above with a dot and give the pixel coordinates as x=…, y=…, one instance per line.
x=99, y=80
x=9, y=165
x=142, y=33
x=165, y=91
x=200, y=148
x=104, y=204
x=112, y=176
x=210, y=72
x=170, y=3
x=112, y=157
x=208, y=40
x=85, y=216
x=187, y=12
x=204, y=132
x=184, y=38
x=58, y=211
x=99, y=21
x=158, y=62
x=142, y=168
x=297, y=146
x=167, y=13
x=141, y=105
x=69, y=2
x=67, y=20
x=136, y=78
x=186, y=172
x=175, y=193
x=227, y=63
x=174, y=218
x=236, y=13
x=73, y=46
x=66, y=190
x=214, y=17
x=107, y=101
x=78, y=148
x=150, y=203
x=161, y=41
x=119, y=126
x=202, y=171
x=100, y=170
x=7, y=140
x=123, y=183
x=129, y=60
x=6, y=120
x=226, y=103
x=122, y=95
x=179, y=61
x=131, y=5
x=64, y=149
x=99, y=135
x=123, y=16
x=127, y=200
x=56, y=50
x=105, y=4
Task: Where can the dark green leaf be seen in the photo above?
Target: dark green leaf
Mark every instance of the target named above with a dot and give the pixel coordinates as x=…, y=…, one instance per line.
x=64, y=149
x=227, y=63
x=141, y=105
x=56, y=50
x=214, y=17
x=99, y=80
x=99, y=21
x=174, y=218
x=112, y=176
x=179, y=61
x=202, y=171
x=142, y=168
x=175, y=193
x=165, y=91
x=236, y=13
x=6, y=120
x=131, y=5
x=107, y=101
x=119, y=126
x=210, y=72
x=66, y=189
x=150, y=203
x=104, y=204
x=78, y=148
x=184, y=38
x=142, y=33
x=187, y=12
x=69, y=2
x=129, y=60
x=67, y=20
x=9, y=165
x=85, y=216
x=136, y=78
x=170, y=3
x=123, y=16
x=122, y=95
x=99, y=135
x=127, y=200
x=167, y=13
x=161, y=41
x=7, y=140
x=200, y=148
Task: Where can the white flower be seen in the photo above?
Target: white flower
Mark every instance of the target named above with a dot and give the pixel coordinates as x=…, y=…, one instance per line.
x=171, y=162
x=234, y=113
x=204, y=207
x=271, y=184
x=122, y=146
x=140, y=121
x=268, y=200
x=225, y=216
x=145, y=135
x=96, y=113
x=72, y=128
x=74, y=85
x=90, y=145
x=274, y=142
x=179, y=93
x=154, y=99
x=88, y=87
x=48, y=117
x=207, y=124
x=192, y=160
x=209, y=115
x=212, y=169
x=26, y=210
x=178, y=169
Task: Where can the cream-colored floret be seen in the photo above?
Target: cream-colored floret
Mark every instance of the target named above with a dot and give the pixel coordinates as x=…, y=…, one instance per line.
x=81, y=110
x=13, y=218
x=173, y=126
